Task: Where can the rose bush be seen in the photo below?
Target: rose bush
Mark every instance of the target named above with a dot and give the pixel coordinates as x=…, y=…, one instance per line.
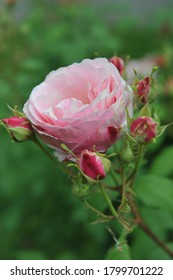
x=81, y=106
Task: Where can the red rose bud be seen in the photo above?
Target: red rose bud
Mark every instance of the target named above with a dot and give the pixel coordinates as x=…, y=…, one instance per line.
x=118, y=62
x=93, y=166
x=18, y=127
x=143, y=129
x=143, y=89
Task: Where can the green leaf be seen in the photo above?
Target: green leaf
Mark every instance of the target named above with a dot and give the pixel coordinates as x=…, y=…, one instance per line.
x=163, y=164
x=144, y=248
x=155, y=191
x=161, y=223
x=120, y=252
x=65, y=148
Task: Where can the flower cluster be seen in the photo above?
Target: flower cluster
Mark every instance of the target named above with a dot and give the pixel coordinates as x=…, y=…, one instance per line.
x=85, y=107
x=96, y=123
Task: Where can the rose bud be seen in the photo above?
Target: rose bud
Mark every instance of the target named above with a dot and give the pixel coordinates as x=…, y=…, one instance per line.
x=93, y=166
x=144, y=129
x=18, y=127
x=118, y=62
x=143, y=89
x=126, y=155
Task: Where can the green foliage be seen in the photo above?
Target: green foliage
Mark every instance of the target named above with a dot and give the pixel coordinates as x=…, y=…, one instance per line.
x=163, y=164
x=155, y=191
x=39, y=216
x=154, y=194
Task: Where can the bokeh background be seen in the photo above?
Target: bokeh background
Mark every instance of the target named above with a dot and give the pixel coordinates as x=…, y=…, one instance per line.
x=39, y=216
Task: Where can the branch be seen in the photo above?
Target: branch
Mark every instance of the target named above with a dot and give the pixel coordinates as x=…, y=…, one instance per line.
x=146, y=229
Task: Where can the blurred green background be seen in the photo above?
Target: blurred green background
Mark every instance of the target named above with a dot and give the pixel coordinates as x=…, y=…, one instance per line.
x=39, y=216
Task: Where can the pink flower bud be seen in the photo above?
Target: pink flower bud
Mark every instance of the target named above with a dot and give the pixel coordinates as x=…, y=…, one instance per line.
x=93, y=166
x=144, y=129
x=18, y=127
x=118, y=62
x=143, y=89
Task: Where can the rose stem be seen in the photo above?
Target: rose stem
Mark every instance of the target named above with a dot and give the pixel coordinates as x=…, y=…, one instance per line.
x=96, y=211
x=123, y=188
x=108, y=201
x=139, y=157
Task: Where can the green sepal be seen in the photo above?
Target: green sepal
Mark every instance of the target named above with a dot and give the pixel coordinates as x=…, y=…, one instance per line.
x=65, y=148
x=79, y=189
x=145, y=111
x=16, y=112
x=155, y=68
x=89, y=179
x=161, y=129
x=129, y=119
x=20, y=134
x=136, y=80
x=71, y=164
x=106, y=164
x=112, y=155
x=131, y=139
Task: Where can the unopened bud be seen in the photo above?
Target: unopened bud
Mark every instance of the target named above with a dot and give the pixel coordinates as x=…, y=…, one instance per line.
x=126, y=154
x=144, y=129
x=18, y=127
x=143, y=89
x=118, y=62
x=93, y=166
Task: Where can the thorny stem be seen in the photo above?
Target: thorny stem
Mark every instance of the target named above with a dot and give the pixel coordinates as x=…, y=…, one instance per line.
x=139, y=157
x=108, y=201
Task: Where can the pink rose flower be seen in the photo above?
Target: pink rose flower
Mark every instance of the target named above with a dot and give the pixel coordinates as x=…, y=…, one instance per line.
x=81, y=106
